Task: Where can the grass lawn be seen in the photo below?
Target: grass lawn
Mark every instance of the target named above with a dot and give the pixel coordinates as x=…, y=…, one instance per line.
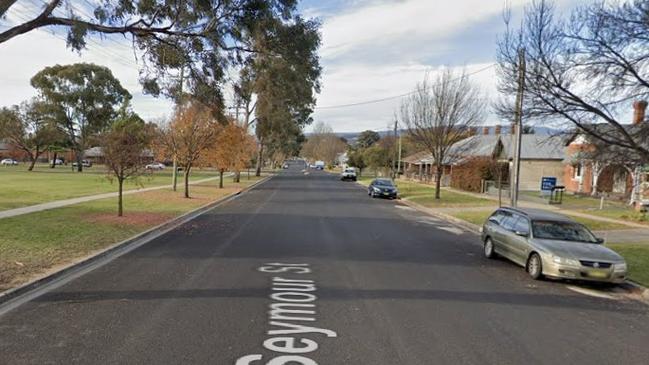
x=625, y=214
x=32, y=244
x=478, y=217
x=22, y=188
x=425, y=195
x=637, y=257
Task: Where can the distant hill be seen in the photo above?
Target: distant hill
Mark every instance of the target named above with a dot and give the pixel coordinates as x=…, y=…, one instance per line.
x=351, y=137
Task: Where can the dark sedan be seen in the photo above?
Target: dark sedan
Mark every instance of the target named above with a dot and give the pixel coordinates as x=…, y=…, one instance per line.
x=382, y=188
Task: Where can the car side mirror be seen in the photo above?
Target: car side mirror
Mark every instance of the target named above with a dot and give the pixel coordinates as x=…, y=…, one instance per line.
x=600, y=240
x=493, y=220
x=521, y=233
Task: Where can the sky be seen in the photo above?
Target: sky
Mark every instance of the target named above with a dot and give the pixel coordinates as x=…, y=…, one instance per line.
x=371, y=50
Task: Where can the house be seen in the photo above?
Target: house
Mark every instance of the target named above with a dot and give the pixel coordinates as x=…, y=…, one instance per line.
x=596, y=168
x=541, y=156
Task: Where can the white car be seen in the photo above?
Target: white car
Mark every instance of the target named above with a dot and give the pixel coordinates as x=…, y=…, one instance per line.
x=9, y=162
x=58, y=161
x=155, y=166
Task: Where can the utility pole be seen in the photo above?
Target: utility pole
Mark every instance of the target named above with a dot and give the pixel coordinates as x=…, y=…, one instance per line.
x=396, y=165
x=519, y=128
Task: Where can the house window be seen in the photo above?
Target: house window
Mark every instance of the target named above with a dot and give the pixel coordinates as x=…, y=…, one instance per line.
x=576, y=171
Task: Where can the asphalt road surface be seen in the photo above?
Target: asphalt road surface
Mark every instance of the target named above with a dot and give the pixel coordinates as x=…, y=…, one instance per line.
x=306, y=269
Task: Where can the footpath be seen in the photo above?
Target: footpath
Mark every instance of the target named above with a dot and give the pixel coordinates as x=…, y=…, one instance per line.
x=66, y=202
x=636, y=233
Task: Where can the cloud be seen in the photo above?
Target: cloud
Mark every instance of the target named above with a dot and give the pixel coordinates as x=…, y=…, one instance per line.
x=25, y=55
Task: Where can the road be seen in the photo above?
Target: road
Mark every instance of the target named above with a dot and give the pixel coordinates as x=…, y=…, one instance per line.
x=306, y=269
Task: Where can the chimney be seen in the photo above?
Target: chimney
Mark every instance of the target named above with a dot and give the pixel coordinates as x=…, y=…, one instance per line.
x=485, y=130
x=639, y=108
x=497, y=129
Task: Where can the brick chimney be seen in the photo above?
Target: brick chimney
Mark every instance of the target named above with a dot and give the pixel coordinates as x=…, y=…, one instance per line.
x=485, y=130
x=497, y=129
x=639, y=108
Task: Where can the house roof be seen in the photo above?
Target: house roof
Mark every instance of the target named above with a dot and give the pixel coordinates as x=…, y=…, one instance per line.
x=533, y=147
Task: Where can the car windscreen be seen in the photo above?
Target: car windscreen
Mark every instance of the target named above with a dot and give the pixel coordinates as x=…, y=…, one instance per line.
x=383, y=183
x=565, y=231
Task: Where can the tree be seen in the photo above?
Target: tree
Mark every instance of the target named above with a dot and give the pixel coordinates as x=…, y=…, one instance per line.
x=377, y=158
x=583, y=70
x=356, y=159
x=202, y=36
x=367, y=139
x=285, y=84
x=192, y=131
x=81, y=99
x=438, y=115
x=123, y=147
x=27, y=129
x=323, y=144
x=231, y=150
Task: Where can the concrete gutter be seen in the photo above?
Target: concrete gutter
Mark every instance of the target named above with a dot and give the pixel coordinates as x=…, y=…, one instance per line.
x=13, y=298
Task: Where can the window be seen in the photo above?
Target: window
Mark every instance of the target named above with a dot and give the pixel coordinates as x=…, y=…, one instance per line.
x=508, y=221
x=521, y=225
x=497, y=217
x=576, y=171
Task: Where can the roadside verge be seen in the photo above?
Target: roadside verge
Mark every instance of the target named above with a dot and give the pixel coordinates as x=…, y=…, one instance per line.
x=632, y=289
x=12, y=298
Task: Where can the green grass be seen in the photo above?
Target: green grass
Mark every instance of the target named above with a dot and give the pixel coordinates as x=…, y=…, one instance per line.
x=573, y=201
x=637, y=257
x=425, y=195
x=32, y=244
x=22, y=188
x=478, y=217
x=624, y=214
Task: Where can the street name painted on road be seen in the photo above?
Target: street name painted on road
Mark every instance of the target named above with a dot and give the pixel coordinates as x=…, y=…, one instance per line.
x=293, y=301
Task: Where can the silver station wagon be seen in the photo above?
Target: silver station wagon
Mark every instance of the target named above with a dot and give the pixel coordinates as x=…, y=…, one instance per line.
x=552, y=245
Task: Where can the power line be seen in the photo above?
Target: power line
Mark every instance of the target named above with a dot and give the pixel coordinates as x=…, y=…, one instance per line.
x=374, y=101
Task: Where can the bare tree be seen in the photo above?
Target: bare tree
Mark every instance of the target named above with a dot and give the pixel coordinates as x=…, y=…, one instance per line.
x=440, y=113
x=123, y=147
x=584, y=69
x=323, y=144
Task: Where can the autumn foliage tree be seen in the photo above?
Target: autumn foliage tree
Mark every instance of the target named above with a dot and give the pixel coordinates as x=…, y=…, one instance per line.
x=123, y=147
x=191, y=133
x=232, y=150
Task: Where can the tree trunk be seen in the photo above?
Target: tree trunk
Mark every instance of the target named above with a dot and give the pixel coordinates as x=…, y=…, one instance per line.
x=438, y=181
x=120, y=207
x=187, y=182
x=53, y=162
x=221, y=178
x=237, y=177
x=32, y=159
x=79, y=156
x=174, y=175
x=260, y=156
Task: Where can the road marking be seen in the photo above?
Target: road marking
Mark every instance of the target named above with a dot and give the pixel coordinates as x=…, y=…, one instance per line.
x=293, y=301
x=403, y=207
x=453, y=230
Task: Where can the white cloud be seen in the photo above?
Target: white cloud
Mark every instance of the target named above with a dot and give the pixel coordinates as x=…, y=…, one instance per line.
x=25, y=55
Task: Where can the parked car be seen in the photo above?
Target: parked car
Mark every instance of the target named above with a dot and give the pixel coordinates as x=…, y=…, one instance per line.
x=84, y=163
x=8, y=162
x=319, y=165
x=552, y=245
x=155, y=166
x=382, y=188
x=285, y=166
x=58, y=161
x=349, y=173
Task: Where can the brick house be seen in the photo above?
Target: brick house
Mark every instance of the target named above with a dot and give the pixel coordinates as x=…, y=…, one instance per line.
x=584, y=174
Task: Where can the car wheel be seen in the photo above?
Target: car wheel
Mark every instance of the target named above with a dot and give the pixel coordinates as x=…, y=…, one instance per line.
x=489, y=249
x=535, y=266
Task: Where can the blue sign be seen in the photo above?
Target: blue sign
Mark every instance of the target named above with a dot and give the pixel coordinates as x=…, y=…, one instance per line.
x=548, y=183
